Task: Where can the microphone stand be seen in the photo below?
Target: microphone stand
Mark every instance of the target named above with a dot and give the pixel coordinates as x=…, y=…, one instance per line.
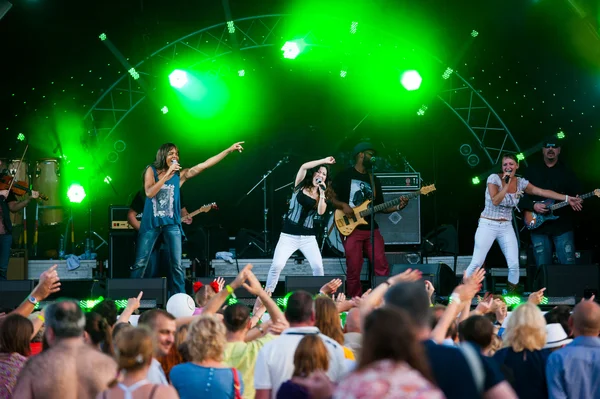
x=372, y=209
x=263, y=181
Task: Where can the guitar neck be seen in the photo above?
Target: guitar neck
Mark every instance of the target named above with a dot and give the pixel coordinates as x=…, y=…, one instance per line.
x=390, y=203
x=196, y=212
x=565, y=203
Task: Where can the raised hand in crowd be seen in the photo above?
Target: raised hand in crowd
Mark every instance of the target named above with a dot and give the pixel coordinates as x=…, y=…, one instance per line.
x=49, y=283
x=220, y=282
x=536, y=297
x=133, y=304
x=430, y=290
x=331, y=287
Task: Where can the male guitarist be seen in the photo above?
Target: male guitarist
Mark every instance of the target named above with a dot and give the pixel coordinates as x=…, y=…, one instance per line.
x=350, y=185
x=553, y=175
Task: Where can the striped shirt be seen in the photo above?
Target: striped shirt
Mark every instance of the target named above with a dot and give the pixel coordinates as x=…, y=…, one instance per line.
x=511, y=200
x=299, y=219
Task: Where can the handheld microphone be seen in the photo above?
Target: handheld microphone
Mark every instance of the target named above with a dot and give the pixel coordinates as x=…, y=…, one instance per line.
x=321, y=185
x=507, y=178
x=174, y=161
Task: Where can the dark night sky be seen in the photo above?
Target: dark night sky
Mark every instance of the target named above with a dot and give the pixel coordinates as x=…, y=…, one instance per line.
x=537, y=62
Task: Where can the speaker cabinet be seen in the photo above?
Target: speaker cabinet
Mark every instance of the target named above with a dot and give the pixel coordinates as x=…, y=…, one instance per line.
x=401, y=227
x=121, y=252
x=16, y=268
x=155, y=289
x=311, y=284
x=14, y=292
x=440, y=275
x=579, y=281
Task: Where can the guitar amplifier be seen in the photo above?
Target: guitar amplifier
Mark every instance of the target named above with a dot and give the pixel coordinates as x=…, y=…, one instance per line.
x=117, y=215
x=399, y=181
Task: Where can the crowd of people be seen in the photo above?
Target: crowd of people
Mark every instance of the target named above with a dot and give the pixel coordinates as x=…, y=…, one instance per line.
x=395, y=343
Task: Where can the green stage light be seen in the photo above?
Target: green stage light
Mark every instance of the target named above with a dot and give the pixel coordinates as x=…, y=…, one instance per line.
x=88, y=304
x=411, y=80
x=102, y=36
x=447, y=73
x=353, y=27
x=422, y=110
x=134, y=74
x=178, y=78
x=107, y=179
x=475, y=180
x=560, y=135
x=241, y=73
x=165, y=110
x=230, y=27
x=512, y=300
x=520, y=156
x=474, y=33
x=232, y=301
x=292, y=48
x=343, y=73
x=76, y=193
x=21, y=137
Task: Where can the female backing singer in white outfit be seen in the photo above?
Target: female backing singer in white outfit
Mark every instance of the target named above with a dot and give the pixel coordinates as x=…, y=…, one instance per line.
x=501, y=196
x=299, y=232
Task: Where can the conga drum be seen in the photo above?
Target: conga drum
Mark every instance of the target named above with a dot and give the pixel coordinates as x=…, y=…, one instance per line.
x=47, y=181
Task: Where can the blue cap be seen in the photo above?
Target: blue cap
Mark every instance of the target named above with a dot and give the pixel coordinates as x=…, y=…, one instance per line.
x=362, y=147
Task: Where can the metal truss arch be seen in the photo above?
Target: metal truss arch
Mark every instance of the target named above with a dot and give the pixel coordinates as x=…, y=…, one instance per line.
x=212, y=42
x=486, y=126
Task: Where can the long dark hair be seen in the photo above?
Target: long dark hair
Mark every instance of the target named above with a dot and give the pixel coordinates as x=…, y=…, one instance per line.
x=307, y=181
x=99, y=331
x=389, y=334
x=160, y=162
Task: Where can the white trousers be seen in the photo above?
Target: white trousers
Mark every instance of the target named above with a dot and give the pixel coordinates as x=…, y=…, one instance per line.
x=286, y=246
x=489, y=231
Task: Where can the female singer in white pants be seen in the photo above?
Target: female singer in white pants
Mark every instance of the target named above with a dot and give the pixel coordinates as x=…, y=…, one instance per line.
x=495, y=223
x=299, y=232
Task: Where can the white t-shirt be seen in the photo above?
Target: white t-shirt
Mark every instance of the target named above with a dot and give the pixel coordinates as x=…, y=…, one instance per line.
x=275, y=362
x=156, y=374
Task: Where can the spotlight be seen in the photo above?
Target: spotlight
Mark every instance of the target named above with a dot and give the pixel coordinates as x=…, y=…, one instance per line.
x=411, y=80
x=76, y=193
x=475, y=180
x=292, y=48
x=178, y=78
x=473, y=160
x=520, y=156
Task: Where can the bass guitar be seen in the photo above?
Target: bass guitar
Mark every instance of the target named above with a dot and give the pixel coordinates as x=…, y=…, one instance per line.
x=533, y=220
x=202, y=209
x=347, y=224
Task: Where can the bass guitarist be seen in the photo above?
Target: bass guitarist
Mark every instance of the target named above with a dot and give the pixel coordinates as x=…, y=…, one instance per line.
x=556, y=176
x=355, y=184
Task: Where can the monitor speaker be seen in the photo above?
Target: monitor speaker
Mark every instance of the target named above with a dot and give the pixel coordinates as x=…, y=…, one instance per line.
x=580, y=281
x=14, y=292
x=155, y=289
x=121, y=252
x=401, y=227
x=439, y=274
x=311, y=284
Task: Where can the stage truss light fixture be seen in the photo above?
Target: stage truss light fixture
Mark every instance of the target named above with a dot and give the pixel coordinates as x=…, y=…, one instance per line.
x=520, y=156
x=465, y=150
x=178, y=78
x=102, y=36
x=422, y=110
x=76, y=193
x=292, y=48
x=165, y=110
x=241, y=73
x=353, y=27
x=411, y=80
x=21, y=137
x=134, y=74
x=343, y=73
x=474, y=33
x=447, y=73
x=475, y=180
x=230, y=27
x=560, y=135
x=473, y=160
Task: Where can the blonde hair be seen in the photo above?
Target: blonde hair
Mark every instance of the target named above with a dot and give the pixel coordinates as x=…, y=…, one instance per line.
x=133, y=348
x=206, y=339
x=494, y=346
x=311, y=355
x=526, y=329
x=327, y=319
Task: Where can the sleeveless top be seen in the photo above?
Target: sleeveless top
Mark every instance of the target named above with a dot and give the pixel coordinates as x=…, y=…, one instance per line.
x=299, y=219
x=165, y=207
x=510, y=200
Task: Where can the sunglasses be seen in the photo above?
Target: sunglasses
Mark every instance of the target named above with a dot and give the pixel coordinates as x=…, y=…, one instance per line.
x=550, y=145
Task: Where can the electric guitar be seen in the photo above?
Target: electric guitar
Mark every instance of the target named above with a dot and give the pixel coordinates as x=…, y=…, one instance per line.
x=202, y=209
x=533, y=220
x=346, y=225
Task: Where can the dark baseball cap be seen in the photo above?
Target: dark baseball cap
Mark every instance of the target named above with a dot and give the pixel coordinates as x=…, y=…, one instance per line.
x=362, y=147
